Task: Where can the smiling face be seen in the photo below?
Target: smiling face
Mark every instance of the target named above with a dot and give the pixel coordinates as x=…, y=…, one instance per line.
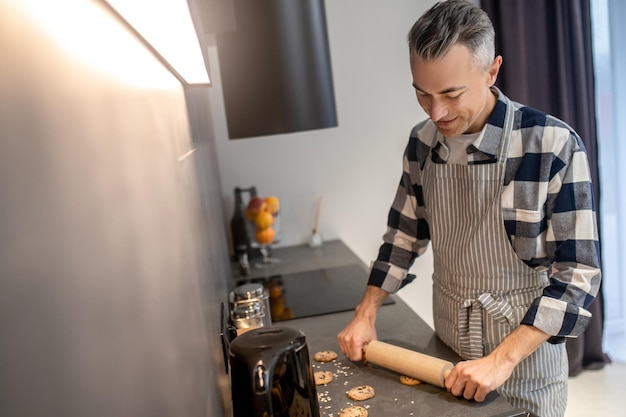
x=454, y=91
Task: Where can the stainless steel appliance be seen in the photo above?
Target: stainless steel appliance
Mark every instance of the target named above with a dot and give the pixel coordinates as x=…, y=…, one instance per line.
x=250, y=307
x=271, y=374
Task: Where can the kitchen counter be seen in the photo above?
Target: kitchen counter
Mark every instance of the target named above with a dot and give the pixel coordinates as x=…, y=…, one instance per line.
x=332, y=271
x=399, y=325
x=396, y=324
x=302, y=258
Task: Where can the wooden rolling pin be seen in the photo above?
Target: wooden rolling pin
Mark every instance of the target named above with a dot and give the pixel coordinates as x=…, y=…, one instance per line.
x=407, y=362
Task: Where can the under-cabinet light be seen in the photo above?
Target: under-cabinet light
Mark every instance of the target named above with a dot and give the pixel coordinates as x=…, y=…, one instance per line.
x=168, y=27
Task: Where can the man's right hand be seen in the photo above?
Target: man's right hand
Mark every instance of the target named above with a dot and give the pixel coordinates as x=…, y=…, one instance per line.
x=354, y=336
x=362, y=330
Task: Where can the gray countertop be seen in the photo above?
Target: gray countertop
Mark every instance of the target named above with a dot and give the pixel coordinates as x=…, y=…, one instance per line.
x=399, y=325
x=396, y=324
x=299, y=258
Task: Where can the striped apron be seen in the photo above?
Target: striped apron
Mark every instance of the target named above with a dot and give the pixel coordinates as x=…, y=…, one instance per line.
x=481, y=289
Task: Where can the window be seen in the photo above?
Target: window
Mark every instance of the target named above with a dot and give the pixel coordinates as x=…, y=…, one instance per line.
x=610, y=61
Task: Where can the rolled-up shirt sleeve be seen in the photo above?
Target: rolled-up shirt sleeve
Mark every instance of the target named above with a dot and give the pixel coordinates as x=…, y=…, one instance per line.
x=407, y=234
x=572, y=247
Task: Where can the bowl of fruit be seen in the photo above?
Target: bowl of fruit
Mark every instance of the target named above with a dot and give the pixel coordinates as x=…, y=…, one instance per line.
x=263, y=215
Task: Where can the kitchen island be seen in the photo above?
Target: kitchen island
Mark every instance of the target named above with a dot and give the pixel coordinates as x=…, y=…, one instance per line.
x=397, y=324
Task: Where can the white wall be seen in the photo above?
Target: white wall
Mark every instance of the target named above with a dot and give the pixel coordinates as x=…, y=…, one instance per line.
x=355, y=167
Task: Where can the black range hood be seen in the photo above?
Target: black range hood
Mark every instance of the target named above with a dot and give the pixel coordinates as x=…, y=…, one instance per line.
x=275, y=68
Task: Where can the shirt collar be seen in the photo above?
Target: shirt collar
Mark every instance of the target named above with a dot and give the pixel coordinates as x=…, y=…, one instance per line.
x=488, y=142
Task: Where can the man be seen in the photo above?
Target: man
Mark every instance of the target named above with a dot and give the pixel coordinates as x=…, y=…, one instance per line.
x=503, y=193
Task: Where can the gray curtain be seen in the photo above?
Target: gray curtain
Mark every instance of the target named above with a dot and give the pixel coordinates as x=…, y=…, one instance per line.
x=548, y=65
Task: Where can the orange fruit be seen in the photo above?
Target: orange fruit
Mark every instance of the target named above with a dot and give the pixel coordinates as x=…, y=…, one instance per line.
x=265, y=236
x=263, y=220
x=272, y=204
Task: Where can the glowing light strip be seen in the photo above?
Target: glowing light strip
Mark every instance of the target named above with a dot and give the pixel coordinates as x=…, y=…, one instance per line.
x=168, y=27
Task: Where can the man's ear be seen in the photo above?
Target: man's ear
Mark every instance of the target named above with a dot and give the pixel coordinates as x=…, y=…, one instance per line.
x=494, y=69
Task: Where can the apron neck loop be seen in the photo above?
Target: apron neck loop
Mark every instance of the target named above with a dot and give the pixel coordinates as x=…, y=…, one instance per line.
x=503, y=149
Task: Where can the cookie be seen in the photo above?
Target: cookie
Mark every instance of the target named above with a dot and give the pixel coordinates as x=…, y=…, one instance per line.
x=325, y=356
x=407, y=380
x=323, y=377
x=361, y=393
x=353, y=411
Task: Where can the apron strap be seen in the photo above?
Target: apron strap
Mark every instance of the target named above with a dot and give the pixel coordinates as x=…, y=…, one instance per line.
x=471, y=322
x=503, y=149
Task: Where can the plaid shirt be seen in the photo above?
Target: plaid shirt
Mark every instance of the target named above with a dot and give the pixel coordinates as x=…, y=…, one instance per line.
x=547, y=207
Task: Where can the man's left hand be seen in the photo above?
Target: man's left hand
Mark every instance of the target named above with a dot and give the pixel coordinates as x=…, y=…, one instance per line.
x=474, y=379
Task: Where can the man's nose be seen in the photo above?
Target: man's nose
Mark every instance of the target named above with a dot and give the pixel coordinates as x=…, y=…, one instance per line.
x=438, y=110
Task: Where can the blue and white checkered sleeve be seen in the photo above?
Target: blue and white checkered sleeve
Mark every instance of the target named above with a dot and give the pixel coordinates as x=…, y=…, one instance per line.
x=407, y=234
x=571, y=245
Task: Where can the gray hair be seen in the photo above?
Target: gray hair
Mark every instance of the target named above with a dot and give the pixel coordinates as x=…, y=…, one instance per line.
x=453, y=22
